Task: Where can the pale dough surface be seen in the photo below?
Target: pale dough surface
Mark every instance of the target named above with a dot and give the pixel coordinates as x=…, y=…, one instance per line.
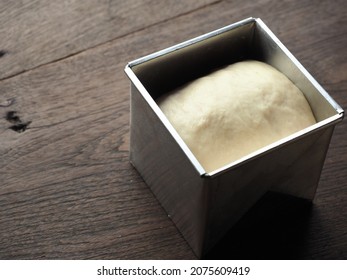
x=235, y=111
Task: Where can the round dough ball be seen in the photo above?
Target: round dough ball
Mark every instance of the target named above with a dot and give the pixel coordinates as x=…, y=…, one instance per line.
x=235, y=111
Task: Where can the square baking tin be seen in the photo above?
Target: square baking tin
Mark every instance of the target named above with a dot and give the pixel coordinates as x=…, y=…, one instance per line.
x=204, y=206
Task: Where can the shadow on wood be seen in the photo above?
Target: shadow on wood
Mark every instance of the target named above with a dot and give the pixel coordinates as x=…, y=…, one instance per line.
x=275, y=228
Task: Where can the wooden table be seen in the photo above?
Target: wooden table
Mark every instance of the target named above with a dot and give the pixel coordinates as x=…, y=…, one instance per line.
x=67, y=189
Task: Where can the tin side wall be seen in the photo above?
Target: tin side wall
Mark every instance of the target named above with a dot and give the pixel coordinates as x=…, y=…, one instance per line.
x=167, y=171
x=293, y=168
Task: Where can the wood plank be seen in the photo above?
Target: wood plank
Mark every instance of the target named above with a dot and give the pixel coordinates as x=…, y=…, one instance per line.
x=37, y=32
x=67, y=188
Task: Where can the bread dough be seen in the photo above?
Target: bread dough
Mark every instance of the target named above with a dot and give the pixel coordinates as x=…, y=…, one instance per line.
x=235, y=111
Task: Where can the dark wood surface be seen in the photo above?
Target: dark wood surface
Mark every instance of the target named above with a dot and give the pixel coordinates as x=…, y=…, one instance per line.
x=67, y=189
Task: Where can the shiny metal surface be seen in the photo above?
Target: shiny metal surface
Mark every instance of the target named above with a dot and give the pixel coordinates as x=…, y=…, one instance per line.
x=205, y=205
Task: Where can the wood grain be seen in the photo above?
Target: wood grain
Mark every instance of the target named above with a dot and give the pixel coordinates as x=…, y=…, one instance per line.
x=37, y=32
x=67, y=189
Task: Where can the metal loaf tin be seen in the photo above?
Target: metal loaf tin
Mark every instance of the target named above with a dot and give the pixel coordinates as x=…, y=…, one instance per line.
x=204, y=205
